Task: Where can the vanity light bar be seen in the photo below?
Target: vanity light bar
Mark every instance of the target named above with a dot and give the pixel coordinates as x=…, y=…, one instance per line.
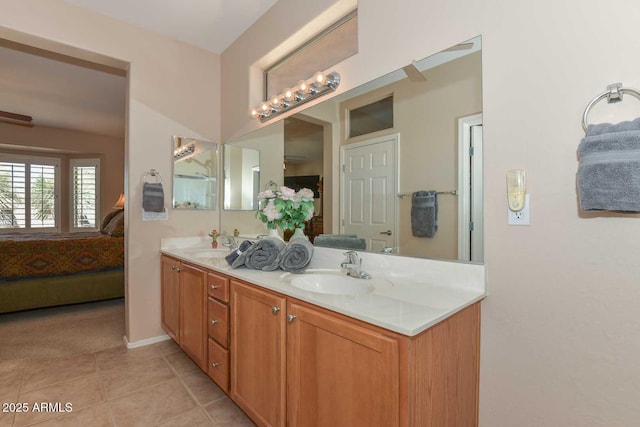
x=289, y=98
x=183, y=151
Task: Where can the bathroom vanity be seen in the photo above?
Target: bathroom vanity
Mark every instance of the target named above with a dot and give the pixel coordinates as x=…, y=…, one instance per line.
x=402, y=351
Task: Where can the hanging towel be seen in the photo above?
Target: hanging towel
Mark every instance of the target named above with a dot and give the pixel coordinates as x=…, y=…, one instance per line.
x=232, y=258
x=152, y=197
x=263, y=255
x=609, y=168
x=424, y=213
x=296, y=256
x=341, y=241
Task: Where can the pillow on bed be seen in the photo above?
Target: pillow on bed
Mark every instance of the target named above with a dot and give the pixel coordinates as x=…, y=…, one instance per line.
x=108, y=219
x=115, y=227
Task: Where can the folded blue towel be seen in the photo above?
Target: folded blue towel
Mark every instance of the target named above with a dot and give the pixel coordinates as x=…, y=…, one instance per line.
x=263, y=255
x=341, y=241
x=609, y=169
x=424, y=213
x=232, y=258
x=296, y=256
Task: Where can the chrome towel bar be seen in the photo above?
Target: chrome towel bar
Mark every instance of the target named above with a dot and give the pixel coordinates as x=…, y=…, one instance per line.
x=452, y=192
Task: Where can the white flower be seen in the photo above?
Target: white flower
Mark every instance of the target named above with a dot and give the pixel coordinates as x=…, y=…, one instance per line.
x=309, y=215
x=266, y=194
x=305, y=194
x=287, y=193
x=271, y=212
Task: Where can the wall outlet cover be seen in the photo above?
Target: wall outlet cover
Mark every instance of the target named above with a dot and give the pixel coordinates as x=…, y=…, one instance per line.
x=521, y=217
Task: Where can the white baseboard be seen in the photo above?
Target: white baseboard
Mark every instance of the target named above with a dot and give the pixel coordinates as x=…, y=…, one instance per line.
x=147, y=341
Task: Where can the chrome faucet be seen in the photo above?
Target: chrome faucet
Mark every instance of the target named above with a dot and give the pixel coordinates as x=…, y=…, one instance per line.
x=353, y=264
x=230, y=243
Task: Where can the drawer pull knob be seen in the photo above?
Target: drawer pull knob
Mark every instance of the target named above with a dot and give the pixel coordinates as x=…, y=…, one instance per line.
x=214, y=321
x=275, y=309
x=214, y=287
x=215, y=364
x=173, y=267
x=290, y=318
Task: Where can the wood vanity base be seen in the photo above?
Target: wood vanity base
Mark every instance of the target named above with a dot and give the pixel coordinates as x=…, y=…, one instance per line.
x=287, y=362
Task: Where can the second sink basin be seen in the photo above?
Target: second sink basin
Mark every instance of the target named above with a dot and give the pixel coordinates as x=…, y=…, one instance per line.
x=209, y=253
x=331, y=283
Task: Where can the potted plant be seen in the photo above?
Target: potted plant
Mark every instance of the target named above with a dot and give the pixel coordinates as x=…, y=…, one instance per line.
x=214, y=238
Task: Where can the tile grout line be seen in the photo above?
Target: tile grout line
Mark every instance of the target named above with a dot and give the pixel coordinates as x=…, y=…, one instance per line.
x=104, y=392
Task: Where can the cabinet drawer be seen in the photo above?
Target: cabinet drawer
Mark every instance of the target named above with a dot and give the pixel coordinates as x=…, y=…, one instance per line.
x=218, y=324
x=218, y=368
x=218, y=287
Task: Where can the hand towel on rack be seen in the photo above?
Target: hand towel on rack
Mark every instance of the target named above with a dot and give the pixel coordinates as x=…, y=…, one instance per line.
x=609, y=168
x=152, y=197
x=424, y=213
x=296, y=255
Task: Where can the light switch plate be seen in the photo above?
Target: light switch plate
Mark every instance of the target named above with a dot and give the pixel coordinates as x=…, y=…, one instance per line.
x=520, y=217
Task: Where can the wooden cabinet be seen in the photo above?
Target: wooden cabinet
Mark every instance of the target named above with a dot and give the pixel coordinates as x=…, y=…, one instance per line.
x=170, y=291
x=339, y=373
x=258, y=353
x=218, y=329
x=193, y=301
x=290, y=363
x=184, y=305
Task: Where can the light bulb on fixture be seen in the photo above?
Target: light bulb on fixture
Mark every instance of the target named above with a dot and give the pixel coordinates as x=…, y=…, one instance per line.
x=302, y=92
x=319, y=78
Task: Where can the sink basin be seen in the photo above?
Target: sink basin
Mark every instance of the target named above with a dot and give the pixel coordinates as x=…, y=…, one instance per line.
x=334, y=284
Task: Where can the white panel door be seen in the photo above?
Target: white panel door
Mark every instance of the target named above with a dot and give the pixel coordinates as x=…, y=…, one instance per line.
x=369, y=191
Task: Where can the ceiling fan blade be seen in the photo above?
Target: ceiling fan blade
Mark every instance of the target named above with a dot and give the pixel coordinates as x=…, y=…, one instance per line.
x=413, y=73
x=14, y=116
x=16, y=122
x=461, y=46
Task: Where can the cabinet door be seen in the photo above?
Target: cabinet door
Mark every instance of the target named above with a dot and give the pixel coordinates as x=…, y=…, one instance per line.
x=170, y=290
x=193, y=317
x=258, y=353
x=339, y=373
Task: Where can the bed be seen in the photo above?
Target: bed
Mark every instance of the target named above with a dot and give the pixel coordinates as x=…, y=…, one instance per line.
x=48, y=269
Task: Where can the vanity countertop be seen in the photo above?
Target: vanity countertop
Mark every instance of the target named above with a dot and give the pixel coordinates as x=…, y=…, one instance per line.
x=409, y=295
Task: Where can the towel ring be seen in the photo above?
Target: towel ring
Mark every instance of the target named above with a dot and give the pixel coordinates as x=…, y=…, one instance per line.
x=613, y=94
x=154, y=174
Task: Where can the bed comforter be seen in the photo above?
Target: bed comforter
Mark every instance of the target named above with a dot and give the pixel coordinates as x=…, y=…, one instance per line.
x=58, y=254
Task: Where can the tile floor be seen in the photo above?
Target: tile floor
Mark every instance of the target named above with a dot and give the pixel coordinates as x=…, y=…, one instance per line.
x=156, y=385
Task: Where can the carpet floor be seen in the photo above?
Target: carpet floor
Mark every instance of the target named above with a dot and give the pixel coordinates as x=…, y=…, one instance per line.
x=56, y=332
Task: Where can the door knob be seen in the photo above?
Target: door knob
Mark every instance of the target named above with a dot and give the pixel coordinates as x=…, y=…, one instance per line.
x=291, y=317
x=275, y=310
x=215, y=364
x=388, y=232
x=214, y=321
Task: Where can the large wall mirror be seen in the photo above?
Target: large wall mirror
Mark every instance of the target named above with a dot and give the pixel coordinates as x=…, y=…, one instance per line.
x=195, y=173
x=371, y=152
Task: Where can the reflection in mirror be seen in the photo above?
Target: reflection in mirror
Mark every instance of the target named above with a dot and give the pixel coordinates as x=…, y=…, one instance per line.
x=241, y=178
x=195, y=174
x=418, y=129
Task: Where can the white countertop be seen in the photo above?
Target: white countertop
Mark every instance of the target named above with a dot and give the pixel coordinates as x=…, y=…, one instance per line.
x=409, y=294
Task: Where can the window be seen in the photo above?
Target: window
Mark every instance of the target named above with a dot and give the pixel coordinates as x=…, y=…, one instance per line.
x=29, y=193
x=371, y=118
x=85, y=193
x=331, y=46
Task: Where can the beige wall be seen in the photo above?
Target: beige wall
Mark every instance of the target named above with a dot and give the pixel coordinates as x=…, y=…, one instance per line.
x=560, y=335
x=67, y=144
x=165, y=99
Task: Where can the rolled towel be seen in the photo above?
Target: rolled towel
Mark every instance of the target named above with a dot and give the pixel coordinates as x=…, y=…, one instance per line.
x=424, y=213
x=296, y=256
x=340, y=241
x=609, y=169
x=233, y=257
x=152, y=197
x=263, y=255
